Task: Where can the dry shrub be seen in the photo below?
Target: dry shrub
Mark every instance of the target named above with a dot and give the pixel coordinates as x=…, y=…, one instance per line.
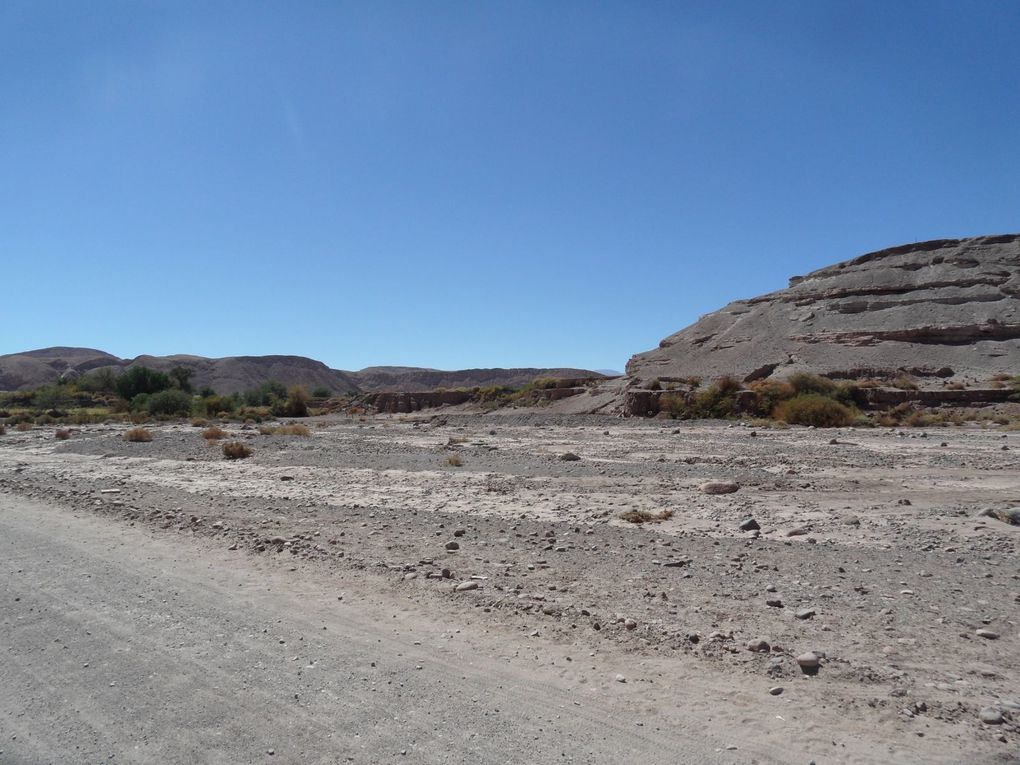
x=63, y=434
x=3, y=430
x=292, y=430
x=137, y=435
x=214, y=433
x=646, y=516
x=815, y=409
x=904, y=382
x=199, y=422
x=23, y=427
x=454, y=461
x=235, y=450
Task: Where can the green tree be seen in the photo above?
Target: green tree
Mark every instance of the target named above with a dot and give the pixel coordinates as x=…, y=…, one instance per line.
x=181, y=377
x=139, y=380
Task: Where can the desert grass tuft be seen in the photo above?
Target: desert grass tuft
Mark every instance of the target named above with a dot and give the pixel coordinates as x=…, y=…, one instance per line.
x=214, y=433
x=646, y=516
x=454, y=461
x=62, y=435
x=235, y=450
x=138, y=435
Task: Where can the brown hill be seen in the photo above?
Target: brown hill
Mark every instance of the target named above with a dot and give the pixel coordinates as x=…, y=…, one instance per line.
x=31, y=369
x=943, y=309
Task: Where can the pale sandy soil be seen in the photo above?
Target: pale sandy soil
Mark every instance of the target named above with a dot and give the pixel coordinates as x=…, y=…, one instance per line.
x=895, y=562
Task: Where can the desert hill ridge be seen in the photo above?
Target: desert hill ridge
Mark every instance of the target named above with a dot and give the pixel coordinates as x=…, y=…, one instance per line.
x=939, y=310
x=43, y=366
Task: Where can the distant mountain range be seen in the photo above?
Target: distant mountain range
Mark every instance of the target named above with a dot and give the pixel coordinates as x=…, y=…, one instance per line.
x=31, y=369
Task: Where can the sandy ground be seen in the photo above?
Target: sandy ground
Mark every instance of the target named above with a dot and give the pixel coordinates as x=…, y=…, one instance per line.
x=877, y=534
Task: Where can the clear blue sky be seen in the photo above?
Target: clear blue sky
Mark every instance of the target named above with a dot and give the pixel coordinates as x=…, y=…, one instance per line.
x=456, y=184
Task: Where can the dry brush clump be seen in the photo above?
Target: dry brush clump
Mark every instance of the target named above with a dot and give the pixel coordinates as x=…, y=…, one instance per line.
x=23, y=427
x=235, y=450
x=3, y=430
x=214, y=433
x=646, y=516
x=138, y=435
x=293, y=429
x=62, y=434
x=454, y=461
x=814, y=409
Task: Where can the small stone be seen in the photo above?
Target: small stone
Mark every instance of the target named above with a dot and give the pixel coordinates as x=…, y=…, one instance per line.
x=805, y=613
x=991, y=716
x=987, y=634
x=460, y=532
x=630, y=624
x=776, y=690
x=809, y=662
x=569, y=457
x=621, y=679
x=758, y=646
x=774, y=603
x=719, y=487
x=465, y=586
x=770, y=588
x=451, y=545
x=797, y=532
x=749, y=524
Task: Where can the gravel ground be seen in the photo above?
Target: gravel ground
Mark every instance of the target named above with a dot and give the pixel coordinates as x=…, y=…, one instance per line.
x=870, y=549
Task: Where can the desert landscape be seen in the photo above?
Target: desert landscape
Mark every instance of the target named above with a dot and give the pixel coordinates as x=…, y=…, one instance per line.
x=670, y=592
x=806, y=561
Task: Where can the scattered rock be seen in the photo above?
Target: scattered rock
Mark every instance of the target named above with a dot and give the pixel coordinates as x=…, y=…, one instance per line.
x=776, y=690
x=749, y=524
x=465, y=586
x=809, y=662
x=991, y=716
x=987, y=634
x=805, y=613
x=451, y=545
x=569, y=457
x=719, y=487
x=758, y=646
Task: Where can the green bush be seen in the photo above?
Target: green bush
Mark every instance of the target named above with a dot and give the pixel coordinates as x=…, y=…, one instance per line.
x=212, y=405
x=296, y=404
x=802, y=383
x=173, y=403
x=267, y=394
x=139, y=380
x=768, y=394
x=814, y=409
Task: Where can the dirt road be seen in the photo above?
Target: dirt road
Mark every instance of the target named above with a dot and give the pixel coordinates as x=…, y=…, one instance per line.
x=121, y=647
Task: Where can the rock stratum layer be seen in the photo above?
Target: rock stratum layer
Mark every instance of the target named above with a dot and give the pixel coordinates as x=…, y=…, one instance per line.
x=943, y=309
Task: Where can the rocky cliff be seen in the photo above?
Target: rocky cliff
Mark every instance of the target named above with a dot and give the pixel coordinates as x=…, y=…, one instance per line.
x=938, y=310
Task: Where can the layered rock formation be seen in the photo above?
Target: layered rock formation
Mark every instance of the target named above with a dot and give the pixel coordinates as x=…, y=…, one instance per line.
x=942, y=310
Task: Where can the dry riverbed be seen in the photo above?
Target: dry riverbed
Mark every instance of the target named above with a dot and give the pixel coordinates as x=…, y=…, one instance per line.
x=869, y=552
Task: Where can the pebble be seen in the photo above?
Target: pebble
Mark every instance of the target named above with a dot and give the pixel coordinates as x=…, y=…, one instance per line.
x=465, y=586
x=991, y=716
x=805, y=613
x=758, y=646
x=776, y=690
x=774, y=602
x=621, y=679
x=987, y=634
x=749, y=524
x=451, y=545
x=808, y=661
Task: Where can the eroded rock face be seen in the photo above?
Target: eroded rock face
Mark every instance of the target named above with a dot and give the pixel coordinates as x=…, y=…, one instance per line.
x=948, y=308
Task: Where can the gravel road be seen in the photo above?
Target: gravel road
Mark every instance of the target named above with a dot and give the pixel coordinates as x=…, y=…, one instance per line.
x=125, y=648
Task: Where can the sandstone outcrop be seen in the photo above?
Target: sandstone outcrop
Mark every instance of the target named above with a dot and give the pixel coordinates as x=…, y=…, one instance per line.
x=941, y=311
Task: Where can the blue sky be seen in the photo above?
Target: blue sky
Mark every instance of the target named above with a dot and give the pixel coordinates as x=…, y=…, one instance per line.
x=458, y=184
